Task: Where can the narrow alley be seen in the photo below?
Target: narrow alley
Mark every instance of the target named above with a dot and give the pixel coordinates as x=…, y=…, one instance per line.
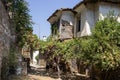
x=80, y=40
x=36, y=73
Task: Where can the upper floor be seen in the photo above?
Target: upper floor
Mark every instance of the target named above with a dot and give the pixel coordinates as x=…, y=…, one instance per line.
x=79, y=21
x=62, y=23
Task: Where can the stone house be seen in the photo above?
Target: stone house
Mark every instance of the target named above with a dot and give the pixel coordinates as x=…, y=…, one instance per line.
x=62, y=23
x=90, y=11
x=77, y=22
x=62, y=26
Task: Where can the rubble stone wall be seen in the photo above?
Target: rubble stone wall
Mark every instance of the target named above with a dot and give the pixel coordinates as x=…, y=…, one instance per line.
x=5, y=40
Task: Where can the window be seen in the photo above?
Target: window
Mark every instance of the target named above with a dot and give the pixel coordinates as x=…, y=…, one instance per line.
x=78, y=24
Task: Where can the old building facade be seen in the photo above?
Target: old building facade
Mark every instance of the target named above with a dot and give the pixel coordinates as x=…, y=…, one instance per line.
x=83, y=17
x=88, y=13
x=62, y=22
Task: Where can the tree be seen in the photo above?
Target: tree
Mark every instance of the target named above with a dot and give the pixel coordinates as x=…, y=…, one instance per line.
x=102, y=48
x=106, y=48
x=33, y=44
x=21, y=20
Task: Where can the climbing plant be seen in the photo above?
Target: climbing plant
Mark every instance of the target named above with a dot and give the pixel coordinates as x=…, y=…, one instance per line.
x=21, y=20
x=54, y=28
x=101, y=49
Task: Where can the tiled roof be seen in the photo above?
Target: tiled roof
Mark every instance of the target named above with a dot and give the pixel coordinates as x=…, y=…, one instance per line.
x=77, y=5
x=94, y=1
x=81, y=2
x=113, y=1
x=59, y=10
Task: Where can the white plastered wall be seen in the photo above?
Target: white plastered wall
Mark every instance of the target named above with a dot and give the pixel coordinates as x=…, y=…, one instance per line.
x=91, y=13
x=81, y=12
x=87, y=20
x=105, y=8
x=34, y=57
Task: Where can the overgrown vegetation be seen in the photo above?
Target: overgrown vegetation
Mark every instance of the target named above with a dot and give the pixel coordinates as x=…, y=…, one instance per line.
x=101, y=49
x=21, y=20
x=12, y=61
x=54, y=28
x=21, y=26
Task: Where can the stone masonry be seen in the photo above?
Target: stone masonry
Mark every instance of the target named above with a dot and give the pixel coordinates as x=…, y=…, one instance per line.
x=5, y=40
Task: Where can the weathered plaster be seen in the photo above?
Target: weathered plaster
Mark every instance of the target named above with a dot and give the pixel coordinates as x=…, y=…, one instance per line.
x=105, y=8
x=91, y=13
x=66, y=31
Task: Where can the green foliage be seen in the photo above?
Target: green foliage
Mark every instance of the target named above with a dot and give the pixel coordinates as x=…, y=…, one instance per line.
x=37, y=57
x=105, y=43
x=21, y=20
x=12, y=57
x=54, y=28
x=101, y=48
x=33, y=42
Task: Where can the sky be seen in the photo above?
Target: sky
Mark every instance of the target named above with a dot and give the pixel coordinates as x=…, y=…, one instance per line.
x=41, y=10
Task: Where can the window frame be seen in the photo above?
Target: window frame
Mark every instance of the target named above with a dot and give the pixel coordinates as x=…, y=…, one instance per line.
x=78, y=23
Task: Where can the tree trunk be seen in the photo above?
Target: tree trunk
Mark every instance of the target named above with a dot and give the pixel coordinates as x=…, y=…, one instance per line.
x=92, y=72
x=31, y=54
x=58, y=68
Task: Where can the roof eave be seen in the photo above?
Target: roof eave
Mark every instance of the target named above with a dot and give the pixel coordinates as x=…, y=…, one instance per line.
x=94, y=1
x=54, y=14
x=62, y=9
x=80, y=3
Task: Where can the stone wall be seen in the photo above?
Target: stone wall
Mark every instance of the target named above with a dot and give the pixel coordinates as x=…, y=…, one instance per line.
x=66, y=25
x=5, y=40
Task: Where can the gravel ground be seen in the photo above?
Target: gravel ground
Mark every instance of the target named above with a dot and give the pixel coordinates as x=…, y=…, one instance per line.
x=34, y=74
x=32, y=77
